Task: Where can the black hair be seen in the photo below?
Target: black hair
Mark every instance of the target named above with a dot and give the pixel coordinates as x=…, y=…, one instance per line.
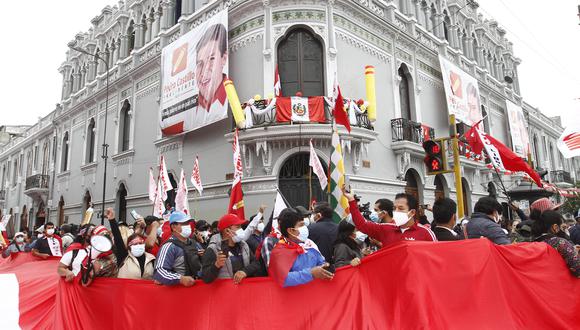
x=386, y=205
x=443, y=210
x=287, y=219
x=66, y=228
x=411, y=200
x=48, y=224
x=202, y=225
x=487, y=205
x=535, y=214
x=547, y=220
x=150, y=219
x=345, y=230
x=324, y=209
x=216, y=32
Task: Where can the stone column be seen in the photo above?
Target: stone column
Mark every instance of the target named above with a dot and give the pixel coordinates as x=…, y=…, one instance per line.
x=479, y=56
x=417, y=11
x=101, y=64
x=167, y=13
x=138, y=35
x=92, y=70
x=117, y=50
x=148, y=34
x=156, y=24
x=404, y=7
x=76, y=81
x=124, y=46
x=470, y=53
x=428, y=23
x=439, y=29
x=190, y=7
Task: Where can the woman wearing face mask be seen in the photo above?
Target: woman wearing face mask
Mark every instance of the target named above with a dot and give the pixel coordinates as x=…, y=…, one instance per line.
x=16, y=246
x=228, y=255
x=100, y=261
x=138, y=264
x=546, y=229
x=347, y=248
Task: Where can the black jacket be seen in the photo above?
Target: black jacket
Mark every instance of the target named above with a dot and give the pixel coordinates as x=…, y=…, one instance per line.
x=443, y=234
x=343, y=255
x=324, y=233
x=482, y=225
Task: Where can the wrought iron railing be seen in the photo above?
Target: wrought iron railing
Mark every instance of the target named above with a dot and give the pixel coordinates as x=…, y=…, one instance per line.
x=407, y=130
x=561, y=176
x=37, y=181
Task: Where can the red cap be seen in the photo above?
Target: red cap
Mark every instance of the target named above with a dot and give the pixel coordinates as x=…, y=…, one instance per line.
x=229, y=220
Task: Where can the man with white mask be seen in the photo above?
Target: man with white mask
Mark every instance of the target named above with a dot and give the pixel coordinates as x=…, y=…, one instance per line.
x=403, y=228
x=177, y=261
x=228, y=255
x=48, y=245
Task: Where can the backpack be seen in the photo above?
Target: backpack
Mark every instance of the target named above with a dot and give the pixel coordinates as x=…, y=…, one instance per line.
x=192, y=264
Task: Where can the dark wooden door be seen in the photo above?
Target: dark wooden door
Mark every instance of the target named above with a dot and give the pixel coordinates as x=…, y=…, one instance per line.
x=294, y=183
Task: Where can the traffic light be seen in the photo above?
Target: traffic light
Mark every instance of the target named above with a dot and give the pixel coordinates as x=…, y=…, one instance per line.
x=435, y=156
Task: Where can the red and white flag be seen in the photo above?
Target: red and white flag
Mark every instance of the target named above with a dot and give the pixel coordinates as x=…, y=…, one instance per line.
x=196, y=177
x=501, y=156
x=339, y=113
x=300, y=109
x=181, y=203
x=317, y=167
x=277, y=84
x=164, y=178
x=236, y=196
x=159, y=206
x=569, y=142
x=152, y=186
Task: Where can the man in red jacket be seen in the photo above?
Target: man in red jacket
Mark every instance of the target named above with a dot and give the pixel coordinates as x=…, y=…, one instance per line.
x=404, y=227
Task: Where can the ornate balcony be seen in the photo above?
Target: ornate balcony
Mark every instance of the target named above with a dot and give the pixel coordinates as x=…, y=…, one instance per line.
x=408, y=137
x=407, y=130
x=37, y=185
x=561, y=178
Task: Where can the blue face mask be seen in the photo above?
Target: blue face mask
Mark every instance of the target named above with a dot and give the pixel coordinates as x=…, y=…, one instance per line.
x=374, y=216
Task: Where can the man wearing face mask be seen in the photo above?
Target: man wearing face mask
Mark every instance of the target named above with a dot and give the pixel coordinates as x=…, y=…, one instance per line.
x=228, y=255
x=324, y=231
x=485, y=221
x=256, y=238
x=70, y=263
x=383, y=211
x=403, y=228
x=177, y=261
x=16, y=246
x=296, y=260
x=138, y=265
x=48, y=245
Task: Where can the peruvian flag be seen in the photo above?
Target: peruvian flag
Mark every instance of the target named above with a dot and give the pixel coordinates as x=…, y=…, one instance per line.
x=300, y=109
x=181, y=203
x=569, y=142
x=277, y=84
x=152, y=186
x=502, y=157
x=340, y=115
x=196, y=177
x=164, y=178
x=236, y=196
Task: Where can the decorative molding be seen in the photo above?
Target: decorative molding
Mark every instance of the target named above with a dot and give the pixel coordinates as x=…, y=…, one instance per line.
x=369, y=49
x=245, y=40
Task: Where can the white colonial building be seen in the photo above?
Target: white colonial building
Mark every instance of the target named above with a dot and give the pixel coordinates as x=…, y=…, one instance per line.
x=54, y=169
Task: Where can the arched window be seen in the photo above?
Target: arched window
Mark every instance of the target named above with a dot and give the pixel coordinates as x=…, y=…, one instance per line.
x=440, y=187
x=29, y=164
x=122, y=204
x=90, y=142
x=433, y=18
x=466, y=196
x=170, y=202
x=45, y=157
x=446, y=25
x=300, y=63
x=413, y=186
x=130, y=38
x=60, y=211
x=405, y=90
x=64, y=155
x=87, y=200
x=294, y=183
x=125, y=127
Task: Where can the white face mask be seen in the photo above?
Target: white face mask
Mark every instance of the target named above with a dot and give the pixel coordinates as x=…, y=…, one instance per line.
x=303, y=233
x=306, y=221
x=50, y=232
x=159, y=231
x=19, y=239
x=238, y=235
x=261, y=227
x=400, y=218
x=360, y=237
x=205, y=234
x=137, y=250
x=186, y=231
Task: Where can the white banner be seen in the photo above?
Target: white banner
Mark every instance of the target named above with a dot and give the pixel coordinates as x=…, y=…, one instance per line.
x=461, y=92
x=518, y=129
x=193, y=69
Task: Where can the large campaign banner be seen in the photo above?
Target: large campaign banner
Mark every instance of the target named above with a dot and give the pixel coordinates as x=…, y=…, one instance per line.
x=518, y=129
x=461, y=92
x=193, y=69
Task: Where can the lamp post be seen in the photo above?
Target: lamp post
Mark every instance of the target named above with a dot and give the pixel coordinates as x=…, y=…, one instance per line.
x=105, y=146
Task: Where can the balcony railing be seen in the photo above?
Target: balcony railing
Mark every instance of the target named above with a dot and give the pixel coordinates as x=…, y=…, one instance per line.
x=407, y=130
x=2, y=195
x=561, y=177
x=38, y=181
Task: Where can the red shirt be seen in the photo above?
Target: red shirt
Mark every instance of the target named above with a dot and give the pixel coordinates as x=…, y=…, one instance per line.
x=388, y=233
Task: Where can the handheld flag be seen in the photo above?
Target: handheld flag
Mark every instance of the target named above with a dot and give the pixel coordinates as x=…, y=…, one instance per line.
x=236, y=196
x=338, y=202
x=152, y=186
x=181, y=203
x=196, y=177
x=164, y=178
x=317, y=167
x=340, y=115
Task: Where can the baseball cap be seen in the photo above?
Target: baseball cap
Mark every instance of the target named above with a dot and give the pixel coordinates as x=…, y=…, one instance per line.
x=544, y=204
x=303, y=211
x=178, y=217
x=229, y=220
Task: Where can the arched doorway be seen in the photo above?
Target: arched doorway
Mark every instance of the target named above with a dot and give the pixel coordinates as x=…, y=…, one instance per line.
x=492, y=190
x=293, y=181
x=87, y=200
x=40, y=215
x=413, y=186
x=60, y=211
x=171, y=193
x=301, y=63
x=440, y=187
x=23, y=218
x=122, y=203
x=466, y=196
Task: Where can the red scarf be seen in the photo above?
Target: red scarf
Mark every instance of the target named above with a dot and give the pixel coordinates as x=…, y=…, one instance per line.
x=282, y=258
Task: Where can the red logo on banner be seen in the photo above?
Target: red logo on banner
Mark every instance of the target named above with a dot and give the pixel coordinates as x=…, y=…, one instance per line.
x=179, y=60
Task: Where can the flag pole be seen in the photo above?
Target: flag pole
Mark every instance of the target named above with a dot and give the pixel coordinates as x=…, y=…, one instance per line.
x=457, y=167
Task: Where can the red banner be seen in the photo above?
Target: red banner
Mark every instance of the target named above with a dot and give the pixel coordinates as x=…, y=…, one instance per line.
x=410, y=285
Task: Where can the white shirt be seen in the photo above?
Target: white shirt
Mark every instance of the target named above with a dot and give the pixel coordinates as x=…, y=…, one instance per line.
x=67, y=258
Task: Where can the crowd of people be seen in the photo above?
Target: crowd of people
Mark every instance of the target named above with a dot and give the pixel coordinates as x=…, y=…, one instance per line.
x=294, y=248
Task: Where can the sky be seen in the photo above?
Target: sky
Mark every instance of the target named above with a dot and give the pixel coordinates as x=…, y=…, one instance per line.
x=546, y=39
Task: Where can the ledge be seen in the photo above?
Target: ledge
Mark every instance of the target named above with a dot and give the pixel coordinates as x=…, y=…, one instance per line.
x=305, y=131
x=89, y=166
x=413, y=148
x=123, y=155
x=63, y=174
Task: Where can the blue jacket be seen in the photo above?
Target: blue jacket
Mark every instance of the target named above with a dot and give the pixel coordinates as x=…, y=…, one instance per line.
x=482, y=225
x=300, y=271
x=575, y=234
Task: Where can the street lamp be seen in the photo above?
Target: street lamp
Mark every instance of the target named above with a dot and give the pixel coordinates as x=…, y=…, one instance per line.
x=105, y=146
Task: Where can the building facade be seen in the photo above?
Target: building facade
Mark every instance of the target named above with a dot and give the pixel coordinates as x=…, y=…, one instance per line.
x=54, y=169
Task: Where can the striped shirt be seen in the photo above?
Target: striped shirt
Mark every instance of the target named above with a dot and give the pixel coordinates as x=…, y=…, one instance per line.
x=170, y=265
